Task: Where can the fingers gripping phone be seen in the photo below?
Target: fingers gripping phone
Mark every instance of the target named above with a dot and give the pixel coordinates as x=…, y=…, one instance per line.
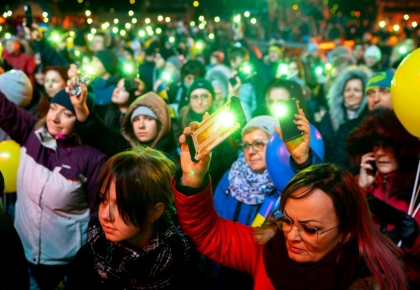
x=286, y=112
x=28, y=15
x=216, y=128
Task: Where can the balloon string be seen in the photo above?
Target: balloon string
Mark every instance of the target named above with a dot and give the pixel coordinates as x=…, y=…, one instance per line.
x=414, y=196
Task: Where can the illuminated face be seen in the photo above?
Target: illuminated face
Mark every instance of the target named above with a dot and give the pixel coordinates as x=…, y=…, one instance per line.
x=276, y=96
x=379, y=98
x=370, y=61
x=237, y=63
x=145, y=128
x=98, y=43
x=12, y=46
x=159, y=61
x=358, y=52
x=39, y=77
x=170, y=68
x=188, y=80
x=60, y=120
x=255, y=159
x=353, y=92
x=294, y=69
x=53, y=83
x=316, y=210
x=201, y=101
x=116, y=230
x=120, y=95
x=385, y=159
x=273, y=55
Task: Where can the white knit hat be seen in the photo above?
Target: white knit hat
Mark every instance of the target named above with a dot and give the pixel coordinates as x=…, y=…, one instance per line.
x=17, y=87
x=265, y=123
x=373, y=51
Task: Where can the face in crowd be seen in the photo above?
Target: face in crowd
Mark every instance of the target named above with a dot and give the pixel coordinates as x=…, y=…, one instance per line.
x=378, y=98
x=120, y=95
x=60, y=120
x=254, y=144
x=275, y=96
x=201, y=101
x=53, y=83
x=145, y=128
x=353, y=92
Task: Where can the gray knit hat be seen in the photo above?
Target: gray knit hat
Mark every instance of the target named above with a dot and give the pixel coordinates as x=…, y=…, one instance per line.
x=17, y=87
x=143, y=110
x=265, y=123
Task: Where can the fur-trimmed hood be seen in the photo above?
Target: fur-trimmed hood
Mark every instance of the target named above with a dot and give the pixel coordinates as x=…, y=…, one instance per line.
x=335, y=99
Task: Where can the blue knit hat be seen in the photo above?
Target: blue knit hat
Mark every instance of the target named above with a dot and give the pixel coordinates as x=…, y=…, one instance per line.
x=381, y=79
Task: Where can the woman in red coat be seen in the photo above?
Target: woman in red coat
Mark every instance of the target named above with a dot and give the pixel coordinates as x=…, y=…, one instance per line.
x=320, y=244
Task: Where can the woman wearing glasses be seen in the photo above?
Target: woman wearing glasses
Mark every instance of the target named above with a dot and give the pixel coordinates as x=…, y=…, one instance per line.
x=326, y=239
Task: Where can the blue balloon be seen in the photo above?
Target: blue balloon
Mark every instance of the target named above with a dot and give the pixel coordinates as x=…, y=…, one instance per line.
x=278, y=158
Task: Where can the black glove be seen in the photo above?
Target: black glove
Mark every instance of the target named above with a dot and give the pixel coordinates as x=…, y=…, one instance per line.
x=407, y=229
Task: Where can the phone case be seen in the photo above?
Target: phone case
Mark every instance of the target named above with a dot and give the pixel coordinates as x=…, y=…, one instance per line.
x=289, y=129
x=211, y=132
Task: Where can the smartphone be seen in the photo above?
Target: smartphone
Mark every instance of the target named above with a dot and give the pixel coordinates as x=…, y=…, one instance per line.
x=373, y=164
x=28, y=16
x=216, y=128
x=289, y=129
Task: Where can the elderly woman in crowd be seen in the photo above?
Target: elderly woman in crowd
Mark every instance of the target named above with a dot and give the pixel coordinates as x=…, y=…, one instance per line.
x=387, y=156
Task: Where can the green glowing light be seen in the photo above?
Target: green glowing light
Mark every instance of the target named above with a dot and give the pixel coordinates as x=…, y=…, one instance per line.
x=226, y=119
x=279, y=110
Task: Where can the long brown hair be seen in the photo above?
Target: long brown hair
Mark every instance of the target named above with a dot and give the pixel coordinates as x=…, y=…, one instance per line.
x=379, y=253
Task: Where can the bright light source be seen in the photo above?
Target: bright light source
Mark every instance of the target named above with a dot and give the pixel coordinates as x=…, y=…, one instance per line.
x=280, y=110
x=237, y=18
x=89, y=70
x=46, y=19
x=89, y=21
x=319, y=70
x=158, y=31
x=141, y=33
x=116, y=21
x=166, y=76
x=201, y=18
x=130, y=13
x=192, y=23
x=147, y=20
x=247, y=69
x=122, y=32
x=396, y=27
x=88, y=13
x=115, y=29
x=45, y=14
x=149, y=28
x=72, y=34
x=128, y=68
x=93, y=30
x=406, y=17
x=227, y=119
x=217, y=19
x=80, y=1
x=150, y=32
x=382, y=24
x=295, y=7
x=211, y=36
x=199, y=45
x=201, y=26
x=160, y=18
x=168, y=19
x=9, y=13
x=90, y=36
x=414, y=24
x=247, y=14
x=55, y=37
x=134, y=20
x=283, y=69
x=7, y=35
x=328, y=66
x=171, y=39
x=196, y=3
x=127, y=25
x=402, y=49
x=105, y=25
x=77, y=53
x=253, y=20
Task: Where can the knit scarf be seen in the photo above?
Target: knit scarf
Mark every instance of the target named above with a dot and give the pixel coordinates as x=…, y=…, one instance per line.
x=153, y=267
x=247, y=186
x=326, y=274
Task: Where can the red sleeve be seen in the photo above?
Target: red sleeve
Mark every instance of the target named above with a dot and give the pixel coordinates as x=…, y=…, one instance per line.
x=226, y=242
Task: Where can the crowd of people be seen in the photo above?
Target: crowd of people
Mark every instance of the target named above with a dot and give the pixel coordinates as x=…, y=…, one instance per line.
x=108, y=196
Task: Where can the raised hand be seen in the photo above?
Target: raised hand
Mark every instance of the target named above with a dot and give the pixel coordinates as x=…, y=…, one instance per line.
x=78, y=102
x=366, y=174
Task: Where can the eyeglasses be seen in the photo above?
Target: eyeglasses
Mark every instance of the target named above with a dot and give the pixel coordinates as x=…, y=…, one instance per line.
x=306, y=232
x=257, y=145
x=203, y=97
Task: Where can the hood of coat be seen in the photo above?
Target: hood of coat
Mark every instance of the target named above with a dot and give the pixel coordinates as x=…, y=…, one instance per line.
x=158, y=106
x=335, y=96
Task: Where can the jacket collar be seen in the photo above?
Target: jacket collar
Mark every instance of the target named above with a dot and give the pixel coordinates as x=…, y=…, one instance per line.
x=46, y=139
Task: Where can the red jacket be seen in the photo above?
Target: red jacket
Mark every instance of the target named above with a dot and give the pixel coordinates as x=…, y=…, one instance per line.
x=21, y=61
x=226, y=242
x=383, y=191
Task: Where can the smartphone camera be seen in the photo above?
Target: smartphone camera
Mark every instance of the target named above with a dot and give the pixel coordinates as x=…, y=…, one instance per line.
x=286, y=111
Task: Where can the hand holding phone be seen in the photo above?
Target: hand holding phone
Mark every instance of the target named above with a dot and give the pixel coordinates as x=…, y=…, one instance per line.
x=28, y=16
x=286, y=112
x=81, y=78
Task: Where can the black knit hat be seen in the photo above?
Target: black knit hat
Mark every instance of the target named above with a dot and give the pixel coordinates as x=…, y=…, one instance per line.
x=109, y=60
x=201, y=83
x=63, y=99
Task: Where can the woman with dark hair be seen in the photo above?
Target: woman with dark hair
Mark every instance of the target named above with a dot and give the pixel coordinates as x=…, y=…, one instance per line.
x=386, y=156
x=322, y=237
x=126, y=91
x=135, y=243
x=279, y=90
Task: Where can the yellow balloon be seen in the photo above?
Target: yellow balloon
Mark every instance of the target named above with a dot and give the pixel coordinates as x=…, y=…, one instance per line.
x=9, y=163
x=405, y=93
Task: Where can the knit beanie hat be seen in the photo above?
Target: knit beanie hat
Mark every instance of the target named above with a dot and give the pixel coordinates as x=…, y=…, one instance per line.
x=373, y=51
x=63, y=99
x=220, y=56
x=381, y=79
x=17, y=87
x=109, y=60
x=265, y=123
x=201, y=83
x=143, y=110
x=175, y=61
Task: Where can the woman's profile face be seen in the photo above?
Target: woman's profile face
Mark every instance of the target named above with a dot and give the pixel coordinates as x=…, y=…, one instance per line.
x=316, y=211
x=116, y=230
x=53, y=83
x=120, y=95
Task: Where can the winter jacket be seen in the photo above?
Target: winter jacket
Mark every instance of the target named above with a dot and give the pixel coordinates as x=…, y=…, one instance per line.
x=21, y=61
x=56, y=185
x=382, y=189
x=225, y=242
